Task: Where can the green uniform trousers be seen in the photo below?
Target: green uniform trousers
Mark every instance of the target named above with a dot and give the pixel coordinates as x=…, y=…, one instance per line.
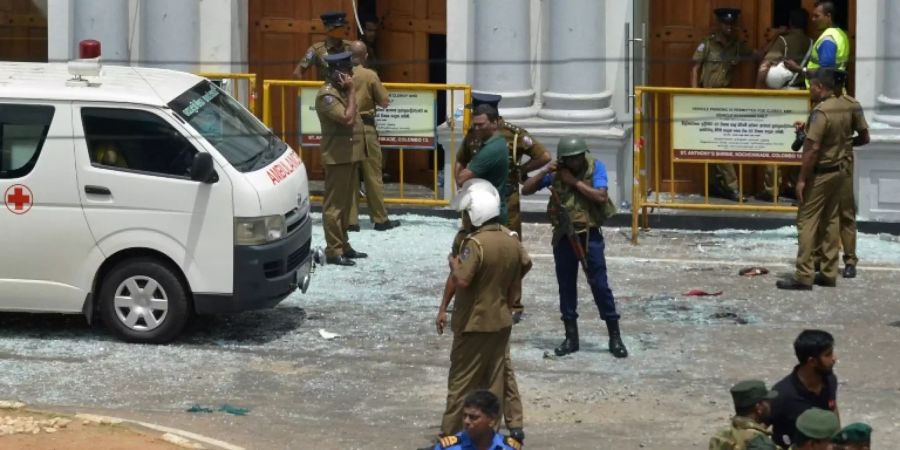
x=817, y=225
x=336, y=205
x=722, y=177
x=477, y=361
x=372, y=177
x=789, y=173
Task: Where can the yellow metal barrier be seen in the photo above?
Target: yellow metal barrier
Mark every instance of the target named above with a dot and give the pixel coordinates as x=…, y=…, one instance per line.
x=236, y=92
x=641, y=201
x=269, y=95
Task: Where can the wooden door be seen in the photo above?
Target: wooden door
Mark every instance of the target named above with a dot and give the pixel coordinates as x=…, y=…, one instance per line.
x=23, y=32
x=403, y=51
x=676, y=28
x=280, y=33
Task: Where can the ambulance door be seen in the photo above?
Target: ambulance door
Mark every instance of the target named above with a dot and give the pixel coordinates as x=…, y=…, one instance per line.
x=46, y=249
x=134, y=169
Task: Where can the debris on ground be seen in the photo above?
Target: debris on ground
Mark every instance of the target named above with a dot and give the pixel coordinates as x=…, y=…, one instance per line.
x=753, y=271
x=226, y=408
x=29, y=425
x=100, y=420
x=199, y=409
x=180, y=441
x=702, y=293
x=327, y=335
x=4, y=404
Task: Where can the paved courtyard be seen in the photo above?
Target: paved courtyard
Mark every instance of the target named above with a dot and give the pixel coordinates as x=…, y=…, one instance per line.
x=382, y=382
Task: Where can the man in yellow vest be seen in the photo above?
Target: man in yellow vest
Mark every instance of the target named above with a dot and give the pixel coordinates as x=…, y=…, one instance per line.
x=832, y=50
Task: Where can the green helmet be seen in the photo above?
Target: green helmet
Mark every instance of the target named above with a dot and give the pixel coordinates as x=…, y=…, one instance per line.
x=571, y=146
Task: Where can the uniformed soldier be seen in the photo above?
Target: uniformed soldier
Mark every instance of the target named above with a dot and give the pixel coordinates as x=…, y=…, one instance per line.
x=793, y=45
x=335, y=27
x=343, y=148
x=856, y=436
x=829, y=140
x=748, y=428
x=485, y=273
x=520, y=144
x=370, y=93
x=847, y=202
x=481, y=412
x=815, y=429
x=579, y=183
x=714, y=63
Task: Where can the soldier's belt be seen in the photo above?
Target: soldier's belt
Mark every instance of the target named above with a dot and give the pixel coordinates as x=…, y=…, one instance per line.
x=368, y=120
x=828, y=169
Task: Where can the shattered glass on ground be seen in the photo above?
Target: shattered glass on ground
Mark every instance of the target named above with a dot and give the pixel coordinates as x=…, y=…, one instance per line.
x=383, y=380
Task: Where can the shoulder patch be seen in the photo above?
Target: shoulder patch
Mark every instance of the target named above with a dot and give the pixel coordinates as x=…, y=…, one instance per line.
x=702, y=46
x=466, y=252
x=328, y=99
x=527, y=142
x=512, y=442
x=449, y=441
x=310, y=54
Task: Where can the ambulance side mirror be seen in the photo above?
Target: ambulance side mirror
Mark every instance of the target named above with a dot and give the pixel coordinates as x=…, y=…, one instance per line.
x=202, y=169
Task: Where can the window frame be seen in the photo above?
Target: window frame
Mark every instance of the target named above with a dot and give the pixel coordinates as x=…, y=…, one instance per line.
x=26, y=169
x=174, y=124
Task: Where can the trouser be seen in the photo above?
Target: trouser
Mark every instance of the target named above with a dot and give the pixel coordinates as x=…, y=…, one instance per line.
x=568, y=270
x=789, y=173
x=512, y=402
x=846, y=219
x=817, y=225
x=372, y=178
x=723, y=178
x=336, y=206
x=477, y=361
x=515, y=224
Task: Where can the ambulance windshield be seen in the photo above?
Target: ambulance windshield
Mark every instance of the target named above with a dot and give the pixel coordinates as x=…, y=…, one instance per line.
x=232, y=130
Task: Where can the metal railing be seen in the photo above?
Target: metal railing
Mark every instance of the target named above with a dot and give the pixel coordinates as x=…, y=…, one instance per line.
x=235, y=89
x=277, y=93
x=642, y=201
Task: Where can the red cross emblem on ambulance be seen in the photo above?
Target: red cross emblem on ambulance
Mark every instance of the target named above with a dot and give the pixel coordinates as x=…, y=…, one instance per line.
x=18, y=199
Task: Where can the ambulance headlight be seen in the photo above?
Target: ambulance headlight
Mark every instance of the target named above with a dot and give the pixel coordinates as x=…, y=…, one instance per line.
x=258, y=230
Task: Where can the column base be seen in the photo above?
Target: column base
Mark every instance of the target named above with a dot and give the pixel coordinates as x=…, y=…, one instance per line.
x=512, y=101
x=888, y=112
x=592, y=108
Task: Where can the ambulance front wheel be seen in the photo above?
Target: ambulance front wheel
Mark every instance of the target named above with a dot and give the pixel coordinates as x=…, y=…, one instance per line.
x=143, y=300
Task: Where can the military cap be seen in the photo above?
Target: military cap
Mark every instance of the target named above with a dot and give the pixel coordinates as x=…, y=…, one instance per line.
x=818, y=424
x=334, y=19
x=727, y=15
x=482, y=98
x=750, y=392
x=855, y=433
x=339, y=60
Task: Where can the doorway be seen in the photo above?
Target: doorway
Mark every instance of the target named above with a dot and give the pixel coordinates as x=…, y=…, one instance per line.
x=23, y=32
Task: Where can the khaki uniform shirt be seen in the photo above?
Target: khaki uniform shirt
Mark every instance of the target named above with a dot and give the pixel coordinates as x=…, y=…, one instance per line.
x=793, y=45
x=368, y=90
x=491, y=261
x=718, y=60
x=524, y=145
x=315, y=55
x=858, y=121
x=831, y=125
x=341, y=144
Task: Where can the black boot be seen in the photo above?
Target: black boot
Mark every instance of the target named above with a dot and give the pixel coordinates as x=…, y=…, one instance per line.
x=616, y=346
x=570, y=345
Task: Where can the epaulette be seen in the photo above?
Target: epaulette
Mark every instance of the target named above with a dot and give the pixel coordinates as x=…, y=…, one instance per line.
x=509, y=232
x=449, y=441
x=513, y=128
x=512, y=442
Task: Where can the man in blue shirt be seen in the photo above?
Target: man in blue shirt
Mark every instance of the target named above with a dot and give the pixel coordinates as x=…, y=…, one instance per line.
x=579, y=207
x=481, y=413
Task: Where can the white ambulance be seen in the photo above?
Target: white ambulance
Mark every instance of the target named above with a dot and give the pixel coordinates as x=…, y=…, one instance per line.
x=143, y=196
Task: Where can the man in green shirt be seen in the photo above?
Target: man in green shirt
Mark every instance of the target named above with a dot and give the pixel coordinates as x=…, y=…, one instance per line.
x=491, y=162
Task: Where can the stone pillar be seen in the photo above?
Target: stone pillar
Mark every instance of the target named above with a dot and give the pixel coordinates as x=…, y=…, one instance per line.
x=576, y=69
x=502, y=54
x=170, y=31
x=106, y=21
x=888, y=111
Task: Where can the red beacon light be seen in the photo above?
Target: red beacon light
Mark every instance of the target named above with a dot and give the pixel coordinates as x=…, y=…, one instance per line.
x=87, y=64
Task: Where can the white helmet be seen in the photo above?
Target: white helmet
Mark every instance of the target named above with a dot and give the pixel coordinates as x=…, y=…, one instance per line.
x=778, y=76
x=480, y=199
